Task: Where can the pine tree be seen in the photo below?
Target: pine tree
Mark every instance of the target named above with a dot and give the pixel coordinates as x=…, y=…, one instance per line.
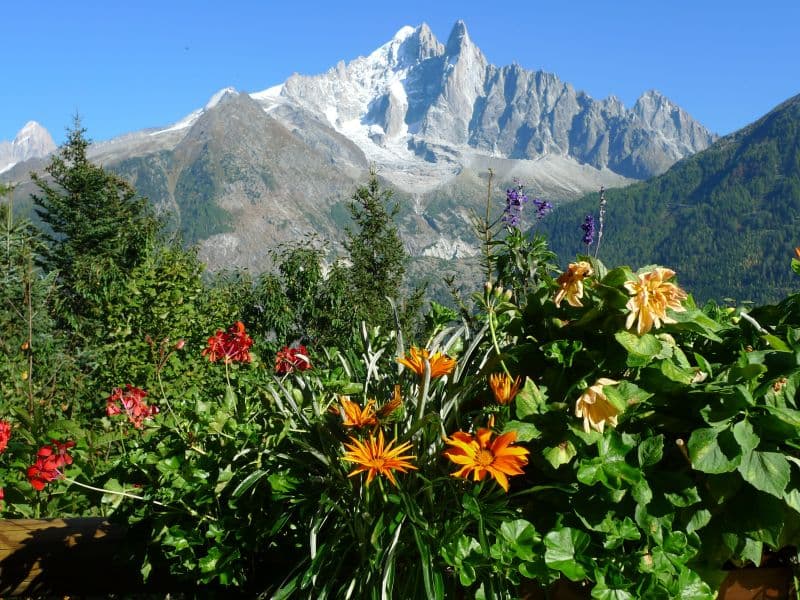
x=97, y=228
x=376, y=253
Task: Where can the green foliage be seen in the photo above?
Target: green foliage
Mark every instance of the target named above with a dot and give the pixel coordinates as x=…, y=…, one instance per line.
x=99, y=229
x=645, y=461
x=376, y=253
x=200, y=216
x=299, y=302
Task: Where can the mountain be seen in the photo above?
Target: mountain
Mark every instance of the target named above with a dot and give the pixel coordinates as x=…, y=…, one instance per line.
x=247, y=172
x=725, y=219
x=416, y=98
x=32, y=141
x=241, y=181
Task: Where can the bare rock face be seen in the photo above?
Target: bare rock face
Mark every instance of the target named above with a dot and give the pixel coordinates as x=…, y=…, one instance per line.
x=416, y=91
x=32, y=141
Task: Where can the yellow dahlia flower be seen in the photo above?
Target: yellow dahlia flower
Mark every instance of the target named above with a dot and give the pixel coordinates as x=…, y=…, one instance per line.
x=594, y=407
x=570, y=283
x=652, y=295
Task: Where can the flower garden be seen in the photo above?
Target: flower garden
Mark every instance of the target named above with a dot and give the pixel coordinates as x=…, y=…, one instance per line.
x=592, y=426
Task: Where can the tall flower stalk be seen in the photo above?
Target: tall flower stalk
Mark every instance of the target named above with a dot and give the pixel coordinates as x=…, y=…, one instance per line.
x=601, y=219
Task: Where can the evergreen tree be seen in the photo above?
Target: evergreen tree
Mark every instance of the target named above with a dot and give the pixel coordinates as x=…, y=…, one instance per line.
x=376, y=253
x=99, y=228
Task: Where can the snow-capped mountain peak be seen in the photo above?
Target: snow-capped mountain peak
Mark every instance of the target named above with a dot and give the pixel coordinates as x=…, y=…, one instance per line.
x=228, y=92
x=416, y=99
x=32, y=141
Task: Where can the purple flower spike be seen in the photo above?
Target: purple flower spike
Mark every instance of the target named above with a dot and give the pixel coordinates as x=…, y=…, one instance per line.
x=542, y=208
x=515, y=198
x=588, y=230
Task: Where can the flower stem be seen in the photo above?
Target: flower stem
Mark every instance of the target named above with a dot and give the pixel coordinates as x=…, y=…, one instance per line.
x=114, y=492
x=495, y=343
x=422, y=398
x=602, y=220
x=168, y=403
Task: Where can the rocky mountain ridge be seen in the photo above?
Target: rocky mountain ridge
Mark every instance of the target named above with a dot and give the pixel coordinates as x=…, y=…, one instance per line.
x=415, y=97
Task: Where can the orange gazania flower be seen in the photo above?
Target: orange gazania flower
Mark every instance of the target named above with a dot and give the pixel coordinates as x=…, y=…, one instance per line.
x=481, y=456
x=441, y=364
x=393, y=404
x=595, y=408
x=377, y=458
x=503, y=388
x=570, y=283
x=652, y=296
x=354, y=416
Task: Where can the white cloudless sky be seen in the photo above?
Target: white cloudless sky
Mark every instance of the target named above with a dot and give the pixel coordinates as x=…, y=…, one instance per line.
x=126, y=66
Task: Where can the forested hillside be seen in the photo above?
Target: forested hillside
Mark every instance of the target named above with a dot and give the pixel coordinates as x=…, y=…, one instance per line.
x=725, y=219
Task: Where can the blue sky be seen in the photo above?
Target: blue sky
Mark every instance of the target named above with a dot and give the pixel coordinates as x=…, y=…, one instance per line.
x=129, y=65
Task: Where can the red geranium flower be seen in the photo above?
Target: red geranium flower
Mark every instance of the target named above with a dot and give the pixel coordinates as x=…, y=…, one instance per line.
x=58, y=451
x=41, y=473
x=5, y=434
x=231, y=346
x=48, y=461
x=288, y=359
x=131, y=401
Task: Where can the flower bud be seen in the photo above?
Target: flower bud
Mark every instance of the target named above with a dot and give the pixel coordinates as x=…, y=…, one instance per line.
x=507, y=295
x=180, y=344
x=488, y=287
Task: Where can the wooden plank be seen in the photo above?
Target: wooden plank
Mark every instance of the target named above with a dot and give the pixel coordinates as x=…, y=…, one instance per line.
x=63, y=556
x=759, y=584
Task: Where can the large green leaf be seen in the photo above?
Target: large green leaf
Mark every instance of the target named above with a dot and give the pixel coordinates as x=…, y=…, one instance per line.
x=641, y=349
x=692, y=587
x=752, y=551
x=746, y=372
x=675, y=373
x=787, y=415
x=708, y=456
x=530, y=400
x=696, y=320
x=766, y=471
x=562, y=546
x=744, y=434
x=525, y=431
x=776, y=343
x=650, y=451
x=560, y=454
x=521, y=537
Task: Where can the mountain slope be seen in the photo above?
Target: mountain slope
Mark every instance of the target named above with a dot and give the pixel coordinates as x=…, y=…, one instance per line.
x=240, y=183
x=725, y=219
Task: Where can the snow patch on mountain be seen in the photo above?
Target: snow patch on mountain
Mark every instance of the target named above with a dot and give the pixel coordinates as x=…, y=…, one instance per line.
x=450, y=249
